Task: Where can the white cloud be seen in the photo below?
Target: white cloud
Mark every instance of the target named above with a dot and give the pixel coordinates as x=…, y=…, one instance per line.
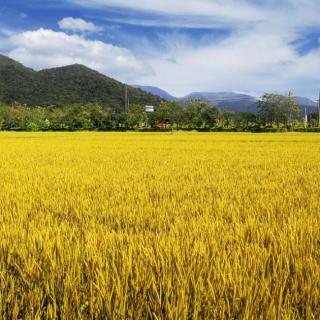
x=218, y=9
x=256, y=54
x=216, y=12
x=46, y=48
x=250, y=60
x=77, y=24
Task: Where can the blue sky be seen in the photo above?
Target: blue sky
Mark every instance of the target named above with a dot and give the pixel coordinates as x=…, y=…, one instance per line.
x=250, y=46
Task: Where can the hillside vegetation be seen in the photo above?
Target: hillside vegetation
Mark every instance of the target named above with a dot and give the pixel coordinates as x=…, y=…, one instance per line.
x=62, y=86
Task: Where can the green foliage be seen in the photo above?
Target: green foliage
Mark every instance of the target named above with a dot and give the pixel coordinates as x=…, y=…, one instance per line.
x=197, y=115
x=310, y=129
x=245, y=119
x=278, y=109
x=227, y=119
x=313, y=120
x=168, y=112
x=74, y=84
x=200, y=114
x=136, y=116
x=209, y=115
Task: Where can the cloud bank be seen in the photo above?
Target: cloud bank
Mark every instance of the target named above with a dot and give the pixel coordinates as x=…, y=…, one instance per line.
x=44, y=48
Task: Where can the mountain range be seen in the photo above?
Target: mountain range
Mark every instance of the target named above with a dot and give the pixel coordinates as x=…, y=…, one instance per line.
x=65, y=85
x=237, y=102
x=78, y=84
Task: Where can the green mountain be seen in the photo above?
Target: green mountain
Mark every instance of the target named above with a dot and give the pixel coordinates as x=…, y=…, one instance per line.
x=66, y=85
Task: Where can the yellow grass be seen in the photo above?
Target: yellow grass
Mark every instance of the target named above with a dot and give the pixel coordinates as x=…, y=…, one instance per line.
x=159, y=226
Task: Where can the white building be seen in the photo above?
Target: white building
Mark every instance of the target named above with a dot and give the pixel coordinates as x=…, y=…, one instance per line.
x=149, y=108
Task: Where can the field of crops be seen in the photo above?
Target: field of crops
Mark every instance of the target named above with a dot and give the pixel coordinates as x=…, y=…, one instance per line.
x=159, y=226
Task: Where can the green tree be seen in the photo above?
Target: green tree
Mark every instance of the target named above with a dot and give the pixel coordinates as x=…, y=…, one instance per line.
x=169, y=112
x=96, y=116
x=136, y=116
x=245, y=119
x=313, y=119
x=209, y=115
x=200, y=114
x=278, y=109
x=227, y=118
x=77, y=117
x=291, y=109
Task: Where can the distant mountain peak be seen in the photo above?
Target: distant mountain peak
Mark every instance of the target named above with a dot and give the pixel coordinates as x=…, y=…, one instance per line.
x=156, y=91
x=77, y=83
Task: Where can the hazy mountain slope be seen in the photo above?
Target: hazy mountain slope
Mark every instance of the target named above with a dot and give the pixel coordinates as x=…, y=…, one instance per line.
x=156, y=91
x=238, y=102
x=226, y=100
x=305, y=102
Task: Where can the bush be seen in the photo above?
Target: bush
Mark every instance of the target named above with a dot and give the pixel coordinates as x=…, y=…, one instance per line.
x=269, y=130
x=317, y=129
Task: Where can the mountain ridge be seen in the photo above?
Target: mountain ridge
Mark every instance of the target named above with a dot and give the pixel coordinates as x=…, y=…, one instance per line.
x=77, y=83
x=65, y=85
x=233, y=101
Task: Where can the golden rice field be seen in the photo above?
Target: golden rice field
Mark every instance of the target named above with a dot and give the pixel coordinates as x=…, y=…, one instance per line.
x=159, y=226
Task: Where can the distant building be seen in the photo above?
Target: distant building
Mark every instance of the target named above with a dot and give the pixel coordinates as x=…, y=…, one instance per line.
x=149, y=108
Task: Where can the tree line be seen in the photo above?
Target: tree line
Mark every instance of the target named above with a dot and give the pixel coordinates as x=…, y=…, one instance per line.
x=275, y=113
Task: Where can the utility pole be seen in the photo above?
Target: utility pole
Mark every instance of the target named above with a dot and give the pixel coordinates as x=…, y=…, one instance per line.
x=290, y=97
x=305, y=117
x=319, y=110
x=125, y=98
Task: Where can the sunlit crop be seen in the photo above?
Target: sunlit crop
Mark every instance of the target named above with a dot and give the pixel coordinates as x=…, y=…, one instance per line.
x=159, y=226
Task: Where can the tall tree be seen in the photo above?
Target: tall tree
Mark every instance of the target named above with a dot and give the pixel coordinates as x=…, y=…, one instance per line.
x=278, y=108
x=291, y=108
x=168, y=112
x=201, y=113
